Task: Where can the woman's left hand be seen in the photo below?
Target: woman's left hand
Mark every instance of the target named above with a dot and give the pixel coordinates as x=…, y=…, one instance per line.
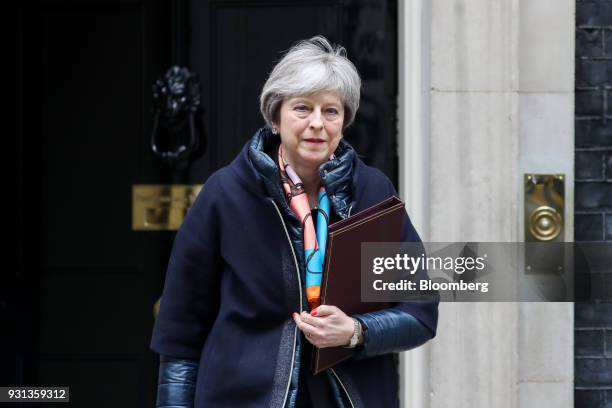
x=326, y=326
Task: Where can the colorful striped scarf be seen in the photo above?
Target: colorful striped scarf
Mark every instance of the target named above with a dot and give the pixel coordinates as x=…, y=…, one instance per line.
x=314, y=241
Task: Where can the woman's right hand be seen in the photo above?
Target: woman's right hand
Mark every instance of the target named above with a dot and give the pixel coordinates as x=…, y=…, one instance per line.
x=326, y=326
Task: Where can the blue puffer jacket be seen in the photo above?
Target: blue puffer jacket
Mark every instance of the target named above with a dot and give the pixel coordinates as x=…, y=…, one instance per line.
x=369, y=379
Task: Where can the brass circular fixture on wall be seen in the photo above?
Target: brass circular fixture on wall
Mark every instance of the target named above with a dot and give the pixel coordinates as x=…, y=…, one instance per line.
x=545, y=223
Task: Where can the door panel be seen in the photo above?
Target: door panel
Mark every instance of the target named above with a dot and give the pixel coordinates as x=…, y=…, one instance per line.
x=87, y=282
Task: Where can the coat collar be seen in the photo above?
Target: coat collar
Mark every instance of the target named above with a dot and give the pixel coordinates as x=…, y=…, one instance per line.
x=260, y=172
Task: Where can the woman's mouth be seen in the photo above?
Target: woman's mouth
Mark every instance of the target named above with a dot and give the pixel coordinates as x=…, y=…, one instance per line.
x=314, y=140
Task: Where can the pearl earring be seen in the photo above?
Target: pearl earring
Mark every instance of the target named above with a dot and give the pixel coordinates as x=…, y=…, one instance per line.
x=274, y=131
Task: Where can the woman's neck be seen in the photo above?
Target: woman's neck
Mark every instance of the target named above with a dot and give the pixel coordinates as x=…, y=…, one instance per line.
x=310, y=178
x=312, y=181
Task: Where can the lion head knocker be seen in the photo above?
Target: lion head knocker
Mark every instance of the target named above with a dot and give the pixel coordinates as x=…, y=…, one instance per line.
x=176, y=108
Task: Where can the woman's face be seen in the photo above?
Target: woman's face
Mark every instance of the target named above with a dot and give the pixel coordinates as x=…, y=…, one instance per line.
x=310, y=128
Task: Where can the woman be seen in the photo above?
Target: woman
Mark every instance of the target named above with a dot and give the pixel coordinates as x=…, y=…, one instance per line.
x=240, y=308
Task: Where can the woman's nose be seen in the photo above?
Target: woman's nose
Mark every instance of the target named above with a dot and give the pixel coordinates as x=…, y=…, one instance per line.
x=316, y=120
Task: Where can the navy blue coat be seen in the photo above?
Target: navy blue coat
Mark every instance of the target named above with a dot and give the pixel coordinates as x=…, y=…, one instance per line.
x=235, y=277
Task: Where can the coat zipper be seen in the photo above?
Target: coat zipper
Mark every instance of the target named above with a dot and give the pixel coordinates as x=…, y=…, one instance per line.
x=297, y=270
x=295, y=331
x=343, y=387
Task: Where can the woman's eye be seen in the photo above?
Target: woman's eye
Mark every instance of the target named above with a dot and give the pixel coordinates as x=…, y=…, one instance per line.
x=301, y=108
x=332, y=111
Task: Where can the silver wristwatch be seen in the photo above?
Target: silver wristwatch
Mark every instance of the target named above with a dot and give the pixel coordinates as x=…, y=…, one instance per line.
x=355, y=337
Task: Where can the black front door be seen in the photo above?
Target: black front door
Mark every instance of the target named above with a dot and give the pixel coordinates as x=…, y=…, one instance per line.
x=77, y=309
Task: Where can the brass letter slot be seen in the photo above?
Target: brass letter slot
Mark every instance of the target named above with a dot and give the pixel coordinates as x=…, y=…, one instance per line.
x=161, y=207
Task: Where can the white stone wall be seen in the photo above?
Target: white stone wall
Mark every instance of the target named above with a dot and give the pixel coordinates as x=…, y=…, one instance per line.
x=546, y=145
x=500, y=80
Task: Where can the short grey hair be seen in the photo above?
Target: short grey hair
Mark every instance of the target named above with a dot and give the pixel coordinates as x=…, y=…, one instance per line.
x=311, y=66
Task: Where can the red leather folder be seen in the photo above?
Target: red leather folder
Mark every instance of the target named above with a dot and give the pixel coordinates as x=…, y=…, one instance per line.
x=341, y=284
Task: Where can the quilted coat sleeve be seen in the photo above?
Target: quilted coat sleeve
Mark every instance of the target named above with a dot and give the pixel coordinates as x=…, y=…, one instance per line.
x=189, y=301
x=177, y=381
x=405, y=325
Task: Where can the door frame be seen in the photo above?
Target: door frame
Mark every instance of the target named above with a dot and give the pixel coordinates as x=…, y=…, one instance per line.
x=413, y=128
